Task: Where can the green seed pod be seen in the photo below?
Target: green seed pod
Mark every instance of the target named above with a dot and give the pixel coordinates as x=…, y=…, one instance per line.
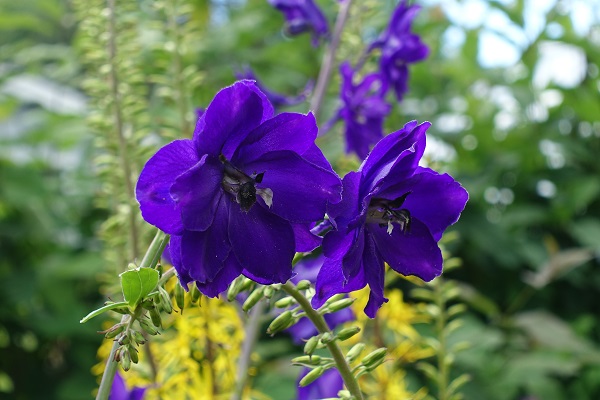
x=311, y=376
x=311, y=345
x=327, y=337
x=355, y=351
x=179, y=296
x=307, y=360
x=195, y=294
x=283, y=321
x=125, y=359
x=340, y=304
x=165, y=300
x=114, y=331
x=133, y=353
x=155, y=316
x=146, y=326
x=254, y=298
x=285, y=302
x=347, y=333
x=138, y=337
x=374, y=357
x=303, y=285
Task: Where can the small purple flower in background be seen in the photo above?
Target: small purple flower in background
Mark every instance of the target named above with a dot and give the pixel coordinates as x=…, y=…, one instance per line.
x=363, y=110
x=400, y=47
x=326, y=386
x=302, y=16
x=277, y=100
x=308, y=269
x=240, y=197
x=119, y=391
x=392, y=210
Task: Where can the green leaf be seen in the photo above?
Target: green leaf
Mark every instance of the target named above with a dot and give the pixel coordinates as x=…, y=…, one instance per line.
x=101, y=310
x=137, y=283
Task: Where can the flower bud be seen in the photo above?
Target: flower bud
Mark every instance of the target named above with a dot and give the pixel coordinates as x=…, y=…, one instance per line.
x=180, y=296
x=235, y=288
x=283, y=321
x=347, y=333
x=131, y=266
x=155, y=316
x=146, y=326
x=268, y=292
x=355, y=351
x=327, y=337
x=147, y=304
x=311, y=376
x=311, y=345
x=303, y=285
x=335, y=298
x=138, y=337
x=133, y=353
x=340, y=304
x=122, y=338
x=125, y=359
x=285, y=302
x=114, y=331
x=254, y=298
x=374, y=358
x=165, y=300
x=195, y=294
x=307, y=360
x=344, y=394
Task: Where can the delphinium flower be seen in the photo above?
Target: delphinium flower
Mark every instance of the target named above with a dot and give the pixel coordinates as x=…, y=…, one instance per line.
x=119, y=391
x=326, y=386
x=302, y=16
x=363, y=110
x=277, y=99
x=302, y=330
x=399, y=47
x=392, y=210
x=240, y=196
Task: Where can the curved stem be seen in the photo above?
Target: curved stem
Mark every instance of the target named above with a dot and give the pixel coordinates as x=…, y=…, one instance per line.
x=319, y=322
x=149, y=261
x=329, y=58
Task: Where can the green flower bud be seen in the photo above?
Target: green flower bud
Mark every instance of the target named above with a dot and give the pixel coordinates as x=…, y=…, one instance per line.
x=114, y=331
x=165, y=300
x=344, y=394
x=180, y=296
x=283, y=321
x=254, y=298
x=307, y=360
x=347, y=333
x=155, y=316
x=327, y=337
x=125, y=359
x=146, y=326
x=355, y=351
x=268, y=292
x=138, y=337
x=147, y=304
x=375, y=357
x=195, y=294
x=235, y=288
x=311, y=345
x=340, y=304
x=335, y=298
x=285, y=302
x=311, y=376
x=122, y=338
x=303, y=285
x=133, y=353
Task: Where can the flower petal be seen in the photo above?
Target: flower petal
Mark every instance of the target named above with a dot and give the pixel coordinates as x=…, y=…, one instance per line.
x=231, y=270
x=157, y=176
x=372, y=264
x=345, y=211
x=175, y=255
x=330, y=281
x=233, y=113
x=305, y=240
x=203, y=253
x=286, y=131
x=301, y=189
x=412, y=253
x=263, y=243
x=198, y=192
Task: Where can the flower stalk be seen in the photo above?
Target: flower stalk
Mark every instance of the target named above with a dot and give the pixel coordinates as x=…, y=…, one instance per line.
x=319, y=322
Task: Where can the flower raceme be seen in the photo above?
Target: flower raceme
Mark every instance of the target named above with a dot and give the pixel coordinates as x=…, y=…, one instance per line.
x=391, y=211
x=302, y=16
x=240, y=197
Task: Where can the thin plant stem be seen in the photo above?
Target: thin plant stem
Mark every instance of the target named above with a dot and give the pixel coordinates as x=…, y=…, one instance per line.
x=149, y=261
x=251, y=329
x=329, y=58
x=119, y=127
x=319, y=323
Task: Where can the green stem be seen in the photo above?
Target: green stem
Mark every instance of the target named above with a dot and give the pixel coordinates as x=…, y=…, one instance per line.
x=149, y=261
x=329, y=58
x=319, y=323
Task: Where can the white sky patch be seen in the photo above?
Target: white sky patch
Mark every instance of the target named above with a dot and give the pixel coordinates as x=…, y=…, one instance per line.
x=562, y=64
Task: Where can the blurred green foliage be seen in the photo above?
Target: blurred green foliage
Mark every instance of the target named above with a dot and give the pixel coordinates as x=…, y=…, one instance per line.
x=526, y=152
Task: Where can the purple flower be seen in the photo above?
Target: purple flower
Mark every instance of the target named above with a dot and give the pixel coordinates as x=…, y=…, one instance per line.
x=240, y=197
x=277, y=100
x=119, y=391
x=392, y=210
x=302, y=16
x=363, y=111
x=400, y=47
x=301, y=331
x=326, y=386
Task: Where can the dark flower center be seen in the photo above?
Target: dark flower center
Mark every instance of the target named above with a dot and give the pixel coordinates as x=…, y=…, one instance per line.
x=243, y=186
x=389, y=212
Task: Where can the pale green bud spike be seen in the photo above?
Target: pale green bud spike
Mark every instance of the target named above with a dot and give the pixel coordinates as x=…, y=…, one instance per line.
x=355, y=351
x=254, y=298
x=347, y=333
x=195, y=294
x=374, y=357
x=285, y=302
x=283, y=321
x=180, y=296
x=311, y=345
x=340, y=305
x=165, y=300
x=311, y=376
x=307, y=360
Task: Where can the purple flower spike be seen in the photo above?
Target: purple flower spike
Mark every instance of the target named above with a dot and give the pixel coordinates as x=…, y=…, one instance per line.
x=400, y=47
x=326, y=386
x=302, y=16
x=278, y=100
x=363, y=111
x=392, y=210
x=236, y=199
x=119, y=391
